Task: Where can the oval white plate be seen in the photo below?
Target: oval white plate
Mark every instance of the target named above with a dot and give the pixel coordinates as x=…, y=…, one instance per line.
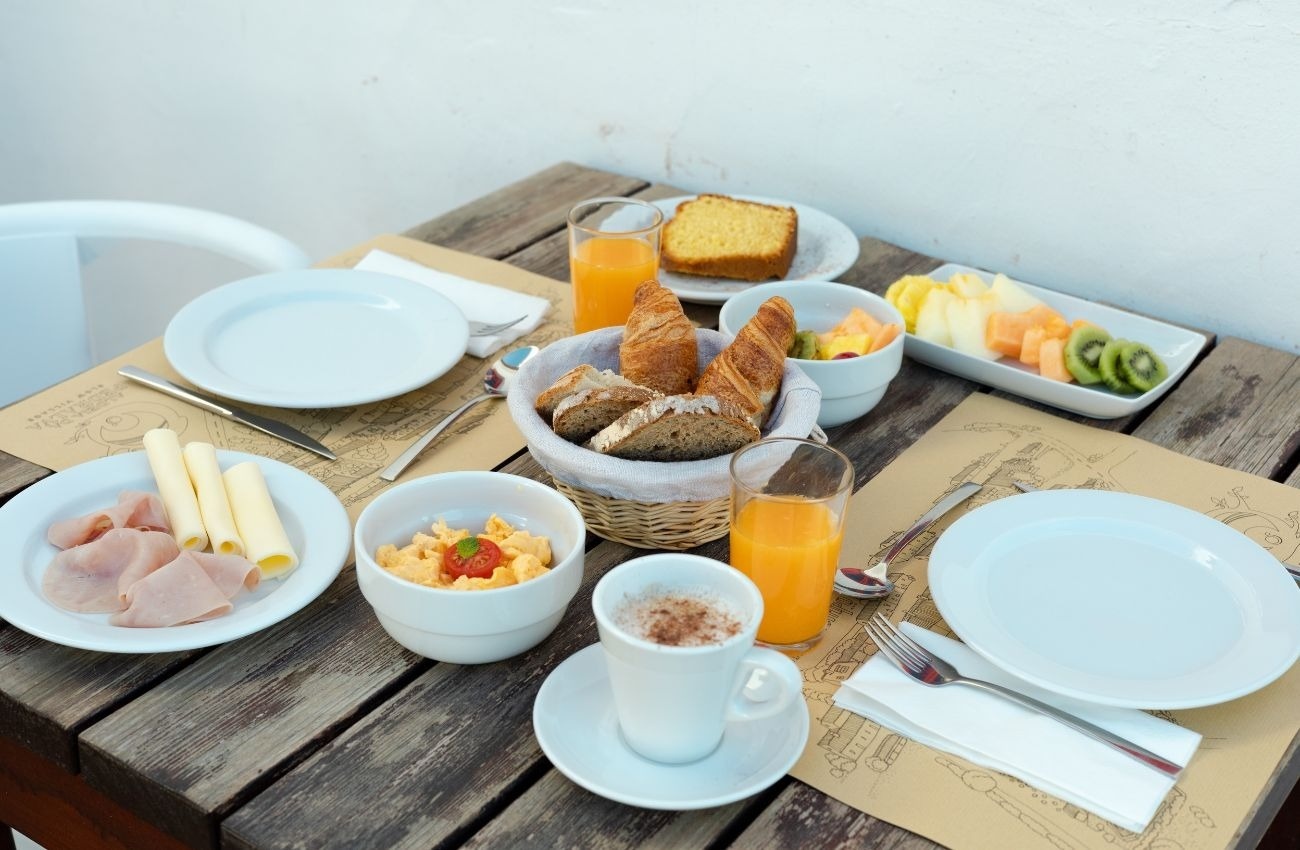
x=575, y=724
x=316, y=338
x=1117, y=599
x=1177, y=346
x=826, y=248
x=313, y=517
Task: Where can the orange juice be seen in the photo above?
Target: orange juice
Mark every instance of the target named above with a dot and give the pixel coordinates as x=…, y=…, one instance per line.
x=790, y=548
x=606, y=272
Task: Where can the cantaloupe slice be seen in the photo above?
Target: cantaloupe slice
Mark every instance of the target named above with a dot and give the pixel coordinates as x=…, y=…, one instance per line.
x=885, y=337
x=1051, y=360
x=1030, y=345
x=1005, y=332
x=1054, y=324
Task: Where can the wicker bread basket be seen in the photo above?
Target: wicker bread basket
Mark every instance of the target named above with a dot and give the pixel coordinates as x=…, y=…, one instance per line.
x=641, y=503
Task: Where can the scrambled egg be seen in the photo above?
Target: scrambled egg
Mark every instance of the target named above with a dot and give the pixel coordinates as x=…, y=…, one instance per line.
x=523, y=556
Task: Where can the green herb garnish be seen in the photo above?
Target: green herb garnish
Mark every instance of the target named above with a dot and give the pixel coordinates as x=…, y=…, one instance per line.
x=467, y=548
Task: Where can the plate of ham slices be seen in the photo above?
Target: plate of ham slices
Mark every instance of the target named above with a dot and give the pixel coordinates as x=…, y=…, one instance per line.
x=47, y=580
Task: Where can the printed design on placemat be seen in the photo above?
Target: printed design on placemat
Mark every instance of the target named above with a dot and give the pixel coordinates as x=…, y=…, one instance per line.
x=858, y=752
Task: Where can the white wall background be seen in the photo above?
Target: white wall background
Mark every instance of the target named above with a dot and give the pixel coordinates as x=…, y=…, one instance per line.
x=1142, y=152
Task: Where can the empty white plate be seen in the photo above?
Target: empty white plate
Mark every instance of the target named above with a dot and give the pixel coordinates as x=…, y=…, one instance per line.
x=316, y=338
x=1117, y=599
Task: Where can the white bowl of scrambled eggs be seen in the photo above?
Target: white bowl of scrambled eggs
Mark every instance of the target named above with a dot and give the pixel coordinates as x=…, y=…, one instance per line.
x=469, y=567
x=850, y=387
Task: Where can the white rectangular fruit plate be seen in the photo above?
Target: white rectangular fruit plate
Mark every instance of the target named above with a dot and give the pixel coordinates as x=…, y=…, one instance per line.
x=1177, y=346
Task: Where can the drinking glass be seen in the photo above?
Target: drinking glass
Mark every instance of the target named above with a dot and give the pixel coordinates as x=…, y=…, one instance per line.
x=613, y=249
x=788, y=500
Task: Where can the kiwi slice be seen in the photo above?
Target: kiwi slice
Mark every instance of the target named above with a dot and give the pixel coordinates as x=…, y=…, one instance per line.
x=804, y=346
x=1141, y=367
x=1108, y=367
x=1083, y=351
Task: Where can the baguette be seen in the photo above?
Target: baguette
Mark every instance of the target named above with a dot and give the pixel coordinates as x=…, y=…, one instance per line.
x=582, y=414
x=747, y=373
x=675, y=428
x=659, y=349
x=577, y=379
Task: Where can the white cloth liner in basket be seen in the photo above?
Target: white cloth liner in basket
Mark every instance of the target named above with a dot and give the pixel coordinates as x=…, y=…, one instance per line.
x=794, y=415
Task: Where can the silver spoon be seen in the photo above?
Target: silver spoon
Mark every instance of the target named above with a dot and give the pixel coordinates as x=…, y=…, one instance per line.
x=872, y=583
x=496, y=382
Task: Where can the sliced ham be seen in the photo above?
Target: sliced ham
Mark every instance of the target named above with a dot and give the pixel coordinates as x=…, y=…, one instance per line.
x=92, y=578
x=179, y=592
x=134, y=509
x=194, y=586
x=231, y=573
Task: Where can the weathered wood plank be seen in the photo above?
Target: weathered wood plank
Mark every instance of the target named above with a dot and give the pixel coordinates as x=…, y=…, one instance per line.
x=47, y=690
x=59, y=811
x=557, y=813
x=804, y=817
x=1237, y=408
x=196, y=744
x=17, y=474
x=519, y=214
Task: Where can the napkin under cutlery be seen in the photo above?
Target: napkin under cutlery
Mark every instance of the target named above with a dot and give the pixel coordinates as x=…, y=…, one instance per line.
x=479, y=302
x=996, y=733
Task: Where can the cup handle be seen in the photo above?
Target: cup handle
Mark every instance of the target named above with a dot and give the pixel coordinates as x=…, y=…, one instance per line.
x=766, y=683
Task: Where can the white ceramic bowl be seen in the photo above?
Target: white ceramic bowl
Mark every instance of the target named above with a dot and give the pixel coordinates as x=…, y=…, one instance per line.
x=470, y=626
x=852, y=386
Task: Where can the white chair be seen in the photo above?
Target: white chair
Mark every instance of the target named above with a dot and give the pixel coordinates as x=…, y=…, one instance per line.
x=43, y=321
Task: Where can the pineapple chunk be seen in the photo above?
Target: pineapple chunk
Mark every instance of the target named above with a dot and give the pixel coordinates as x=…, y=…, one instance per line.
x=846, y=343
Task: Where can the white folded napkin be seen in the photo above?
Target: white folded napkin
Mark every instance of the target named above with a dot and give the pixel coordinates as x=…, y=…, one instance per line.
x=480, y=302
x=994, y=732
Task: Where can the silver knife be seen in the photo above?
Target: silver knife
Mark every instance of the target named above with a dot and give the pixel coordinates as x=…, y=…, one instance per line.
x=212, y=405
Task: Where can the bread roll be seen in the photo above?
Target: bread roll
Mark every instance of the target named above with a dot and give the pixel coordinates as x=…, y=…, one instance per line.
x=748, y=372
x=658, y=349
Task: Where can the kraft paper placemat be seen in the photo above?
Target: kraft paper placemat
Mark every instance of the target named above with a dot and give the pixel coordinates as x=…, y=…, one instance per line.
x=99, y=413
x=966, y=807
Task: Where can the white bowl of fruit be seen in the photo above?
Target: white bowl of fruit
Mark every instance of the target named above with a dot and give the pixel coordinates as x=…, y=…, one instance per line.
x=848, y=340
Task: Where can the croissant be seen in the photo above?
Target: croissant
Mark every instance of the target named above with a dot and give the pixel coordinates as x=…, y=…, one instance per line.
x=748, y=372
x=658, y=348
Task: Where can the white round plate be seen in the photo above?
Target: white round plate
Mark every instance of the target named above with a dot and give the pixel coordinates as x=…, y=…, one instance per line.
x=574, y=720
x=826, y=248
x=1117, y=599
x=315, y=521
x=316, y=338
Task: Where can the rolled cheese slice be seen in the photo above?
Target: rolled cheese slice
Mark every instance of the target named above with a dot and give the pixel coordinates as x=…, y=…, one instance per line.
x=214, y=506
x=163, y=449
x=265, y=542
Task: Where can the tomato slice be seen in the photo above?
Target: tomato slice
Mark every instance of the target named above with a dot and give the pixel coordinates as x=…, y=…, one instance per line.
x=475, y=557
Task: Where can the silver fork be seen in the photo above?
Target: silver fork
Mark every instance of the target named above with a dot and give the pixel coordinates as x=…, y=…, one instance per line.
x=485, y=329
x=929, y=669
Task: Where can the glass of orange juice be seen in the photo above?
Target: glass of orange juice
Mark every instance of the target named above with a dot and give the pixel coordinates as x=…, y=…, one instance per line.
x=788, y=500
x=613, y=249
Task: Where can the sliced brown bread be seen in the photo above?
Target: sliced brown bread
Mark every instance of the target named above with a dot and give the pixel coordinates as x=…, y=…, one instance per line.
x=720, y=236
x=677, y=427
x=582, y=414
x=577, y=379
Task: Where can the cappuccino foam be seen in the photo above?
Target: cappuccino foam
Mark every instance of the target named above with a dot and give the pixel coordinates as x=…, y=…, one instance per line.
x=678, y=617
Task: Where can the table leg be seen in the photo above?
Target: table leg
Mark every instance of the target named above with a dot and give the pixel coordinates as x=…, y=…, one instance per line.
x=59, y=811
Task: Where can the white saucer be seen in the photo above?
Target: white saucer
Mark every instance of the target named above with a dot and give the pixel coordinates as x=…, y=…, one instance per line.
x=574, y=720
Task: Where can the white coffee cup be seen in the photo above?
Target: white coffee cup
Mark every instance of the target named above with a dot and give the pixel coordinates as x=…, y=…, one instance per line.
x=674, y=702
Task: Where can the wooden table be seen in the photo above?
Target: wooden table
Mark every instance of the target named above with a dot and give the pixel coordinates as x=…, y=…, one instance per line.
x=321, y=732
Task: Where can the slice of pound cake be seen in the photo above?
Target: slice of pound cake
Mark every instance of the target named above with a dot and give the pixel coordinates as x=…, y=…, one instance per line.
x=719, y=236
x=677, y=427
